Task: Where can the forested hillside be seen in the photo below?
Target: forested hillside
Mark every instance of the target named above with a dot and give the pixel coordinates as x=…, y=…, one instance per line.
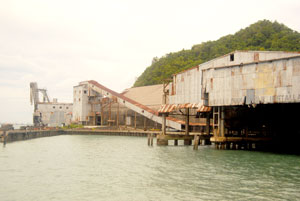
x=263, y=35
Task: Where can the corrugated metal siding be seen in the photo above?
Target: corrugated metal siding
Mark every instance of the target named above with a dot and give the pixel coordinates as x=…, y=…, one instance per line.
x=272, y=82
x=276, y=81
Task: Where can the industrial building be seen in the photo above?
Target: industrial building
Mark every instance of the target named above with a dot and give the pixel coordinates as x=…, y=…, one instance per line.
x=94, y=104
x=240, y=99
x=46, y=112
x=253, y=95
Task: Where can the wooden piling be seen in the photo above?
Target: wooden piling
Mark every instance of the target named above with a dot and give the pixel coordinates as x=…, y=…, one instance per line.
x=196, y=142
x=164, y=123
x=187, y=121
x=150, y=139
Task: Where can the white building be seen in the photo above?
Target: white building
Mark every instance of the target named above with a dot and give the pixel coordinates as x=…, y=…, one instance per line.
x=86, y=105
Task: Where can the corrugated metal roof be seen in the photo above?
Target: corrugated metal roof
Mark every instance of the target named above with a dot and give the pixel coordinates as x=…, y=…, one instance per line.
x=167, y=108
x=204, y=109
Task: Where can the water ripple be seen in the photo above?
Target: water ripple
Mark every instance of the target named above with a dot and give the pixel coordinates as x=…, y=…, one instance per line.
x=125, y=168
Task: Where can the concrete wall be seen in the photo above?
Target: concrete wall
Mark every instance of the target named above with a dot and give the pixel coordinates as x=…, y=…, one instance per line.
x=17, y=135
x=55, y=114
x=81, y=107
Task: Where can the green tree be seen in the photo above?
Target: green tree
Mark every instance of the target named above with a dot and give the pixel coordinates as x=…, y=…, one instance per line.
x=263, y=35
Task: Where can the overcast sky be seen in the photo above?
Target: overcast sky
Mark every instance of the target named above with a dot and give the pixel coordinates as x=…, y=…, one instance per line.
x=59, y=43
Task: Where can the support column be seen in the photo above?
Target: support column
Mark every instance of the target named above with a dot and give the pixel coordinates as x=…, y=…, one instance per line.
x=118, y=113
x=215, y=121
x=222, y=122
x=163, y=124
x=196, y=142
x=125, y=122
x=161, y=138
x=145, y=123
x=207, y=127
x=102, y=115
x=109, y=115
x=150, y=139
x=134, y=120
x=187, y=126
x=187, y=121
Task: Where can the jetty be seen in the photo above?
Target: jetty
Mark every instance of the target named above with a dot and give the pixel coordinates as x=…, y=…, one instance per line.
x=242, y=100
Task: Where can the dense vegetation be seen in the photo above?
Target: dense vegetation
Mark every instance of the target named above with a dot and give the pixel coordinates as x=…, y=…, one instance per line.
x=263, y=35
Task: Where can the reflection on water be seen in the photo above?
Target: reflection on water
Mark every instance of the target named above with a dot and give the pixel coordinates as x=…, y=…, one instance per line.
x=125, y=168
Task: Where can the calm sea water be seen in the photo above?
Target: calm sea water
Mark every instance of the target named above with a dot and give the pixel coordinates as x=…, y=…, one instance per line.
x=125, y=168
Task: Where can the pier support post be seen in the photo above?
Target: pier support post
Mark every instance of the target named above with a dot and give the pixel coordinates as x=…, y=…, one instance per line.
x=134, y=120
x=150, y=139
x=163, y=124
x=207, y=126
x=187, y=121
x=126, y=113
x=109, y=115
x=102, y=115
x=216, y=121
x=4, y=137
x=175, y=142
x=196, y=142
x=161, y=140
x=145, y=123
x=222, y=122
x=118, y=113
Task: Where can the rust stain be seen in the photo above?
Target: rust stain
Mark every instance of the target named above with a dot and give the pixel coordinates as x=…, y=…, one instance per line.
x=296, y=68
x=284, y=65
x=279, y=79
x=173, y=88
x=256, y=57
x=212, y=83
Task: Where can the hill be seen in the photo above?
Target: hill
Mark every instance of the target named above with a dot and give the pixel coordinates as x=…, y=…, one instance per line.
x=263, y=35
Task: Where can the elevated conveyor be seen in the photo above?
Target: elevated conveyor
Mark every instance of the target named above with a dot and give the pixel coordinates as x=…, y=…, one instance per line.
x=133, y=105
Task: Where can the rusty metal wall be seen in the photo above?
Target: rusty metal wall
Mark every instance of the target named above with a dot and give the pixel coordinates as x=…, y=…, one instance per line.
x=252, y=77
x=261, y=83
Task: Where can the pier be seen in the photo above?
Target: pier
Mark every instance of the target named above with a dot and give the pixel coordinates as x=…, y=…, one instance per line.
x=19, y=135
x=242, y=100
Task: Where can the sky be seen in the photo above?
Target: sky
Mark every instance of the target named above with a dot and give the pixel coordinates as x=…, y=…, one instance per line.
x=59, y=43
